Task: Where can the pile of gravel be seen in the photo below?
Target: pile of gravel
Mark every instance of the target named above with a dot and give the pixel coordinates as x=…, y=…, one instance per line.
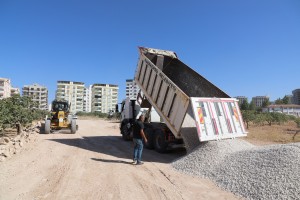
x=270, y=172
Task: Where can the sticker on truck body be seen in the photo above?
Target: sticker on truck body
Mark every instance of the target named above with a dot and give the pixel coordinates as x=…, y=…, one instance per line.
x=217, y=118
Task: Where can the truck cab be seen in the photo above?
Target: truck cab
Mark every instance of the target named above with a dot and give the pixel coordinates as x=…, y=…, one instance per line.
x=158, y=134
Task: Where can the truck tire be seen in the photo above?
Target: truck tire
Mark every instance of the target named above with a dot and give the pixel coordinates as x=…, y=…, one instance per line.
x=73, y=126
x=47, y=126
x=125, y=132
x=149, y=135
x=160, y=143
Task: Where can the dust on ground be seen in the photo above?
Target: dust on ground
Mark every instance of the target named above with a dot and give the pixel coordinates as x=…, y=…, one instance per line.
x=95, y=163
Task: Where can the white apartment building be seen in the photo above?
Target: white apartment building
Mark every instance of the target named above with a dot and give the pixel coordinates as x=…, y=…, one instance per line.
x=73, y=92
x=87, y=99
x=6, y=90
x=38, y=94
x=259, y=100
x=132, y=89
x=104, y=97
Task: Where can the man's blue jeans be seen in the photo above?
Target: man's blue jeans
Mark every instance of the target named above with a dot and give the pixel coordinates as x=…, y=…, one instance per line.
x=138, y=149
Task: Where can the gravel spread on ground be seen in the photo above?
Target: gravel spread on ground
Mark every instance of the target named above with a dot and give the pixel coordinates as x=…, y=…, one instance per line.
x=269, y=172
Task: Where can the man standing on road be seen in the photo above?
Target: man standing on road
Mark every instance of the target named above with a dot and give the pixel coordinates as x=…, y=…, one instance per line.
x=138, y=136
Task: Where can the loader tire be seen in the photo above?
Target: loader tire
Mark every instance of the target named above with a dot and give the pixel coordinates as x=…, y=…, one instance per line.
x=73, y=126
x=47, y=126
x=160, y=143
x=149, y=135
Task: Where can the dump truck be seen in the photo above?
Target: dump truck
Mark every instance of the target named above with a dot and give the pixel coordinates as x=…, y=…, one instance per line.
x=192, y=109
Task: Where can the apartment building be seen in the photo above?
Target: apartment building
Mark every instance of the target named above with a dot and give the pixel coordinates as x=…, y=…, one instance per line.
x=259, y=100
x=241, y=99
x=87, y=99
x=73, y=92
x=132, y=89
x=6, y=90
x=38, y=94
x=104, y=97
x=296, y=96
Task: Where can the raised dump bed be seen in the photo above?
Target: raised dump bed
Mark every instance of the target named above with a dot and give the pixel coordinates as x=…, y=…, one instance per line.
x=192, y=107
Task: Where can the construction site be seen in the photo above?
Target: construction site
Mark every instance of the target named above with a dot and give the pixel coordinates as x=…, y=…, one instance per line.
x=198, y=146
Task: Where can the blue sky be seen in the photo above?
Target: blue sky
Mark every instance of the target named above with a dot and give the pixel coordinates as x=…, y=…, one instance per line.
x=247, y=48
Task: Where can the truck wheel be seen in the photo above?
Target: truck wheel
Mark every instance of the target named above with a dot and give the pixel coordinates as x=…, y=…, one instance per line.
x=160, y=143
x=47, y=126
x=125, y=132
x=149, y=135
x=73, y=126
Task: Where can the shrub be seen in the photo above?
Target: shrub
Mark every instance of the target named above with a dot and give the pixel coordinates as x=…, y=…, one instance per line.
x=18, y=109
x=248, y=116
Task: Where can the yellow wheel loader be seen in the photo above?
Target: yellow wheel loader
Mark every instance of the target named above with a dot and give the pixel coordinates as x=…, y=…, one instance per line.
x=60, y=118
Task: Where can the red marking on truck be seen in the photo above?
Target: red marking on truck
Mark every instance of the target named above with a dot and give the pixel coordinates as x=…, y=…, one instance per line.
x=227, y=119
x=213, y=120
x=241, y=122
x=236, y=114
x=200, y=115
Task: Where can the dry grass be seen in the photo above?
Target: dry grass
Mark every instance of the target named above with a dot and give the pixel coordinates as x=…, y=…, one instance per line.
x=275, y=134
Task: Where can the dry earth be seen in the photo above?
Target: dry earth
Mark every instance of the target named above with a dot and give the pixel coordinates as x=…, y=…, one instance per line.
x=95, y=163
x=275, y=134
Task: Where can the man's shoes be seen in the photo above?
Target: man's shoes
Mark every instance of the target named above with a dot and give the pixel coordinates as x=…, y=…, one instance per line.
x=139, y=163
x=134, y=162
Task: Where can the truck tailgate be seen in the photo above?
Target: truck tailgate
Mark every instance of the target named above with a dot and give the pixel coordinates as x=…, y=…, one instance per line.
x=217, y=118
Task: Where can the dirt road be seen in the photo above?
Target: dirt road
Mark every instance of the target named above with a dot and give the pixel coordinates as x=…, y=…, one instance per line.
x=95, y=163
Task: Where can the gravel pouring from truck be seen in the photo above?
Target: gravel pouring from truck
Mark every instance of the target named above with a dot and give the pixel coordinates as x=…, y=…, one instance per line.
x=192, y=108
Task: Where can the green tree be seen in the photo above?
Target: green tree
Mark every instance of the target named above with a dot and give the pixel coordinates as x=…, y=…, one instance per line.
x=252, y=106
x=278, y=101
x=244, y=105
x=266, y=103
x=18, y=109
x=259, y=119
x=279, y=117
x=269, y=118
x=285, y=100
x=248, y=116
